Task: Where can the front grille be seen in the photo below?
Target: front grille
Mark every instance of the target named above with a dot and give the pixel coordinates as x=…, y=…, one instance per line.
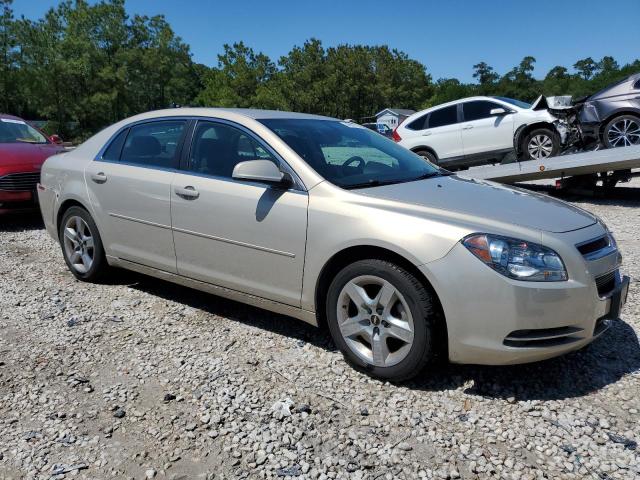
x=593, y=245
x=542, y=337
x=19, y=182
x=606, y=283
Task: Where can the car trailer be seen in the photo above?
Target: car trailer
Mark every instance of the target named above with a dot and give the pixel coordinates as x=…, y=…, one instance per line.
x=577, y=170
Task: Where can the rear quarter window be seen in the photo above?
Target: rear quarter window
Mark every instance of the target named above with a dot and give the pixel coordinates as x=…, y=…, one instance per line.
x=112, y=153
x=419, y=123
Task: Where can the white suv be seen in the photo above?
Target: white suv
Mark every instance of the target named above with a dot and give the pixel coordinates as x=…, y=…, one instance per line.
x=479, y=130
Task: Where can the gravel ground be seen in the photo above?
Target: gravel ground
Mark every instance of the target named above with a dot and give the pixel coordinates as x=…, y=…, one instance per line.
x=142, y=379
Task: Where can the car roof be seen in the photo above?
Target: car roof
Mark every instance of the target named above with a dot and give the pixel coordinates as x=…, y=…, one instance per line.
x=454, y=102
x=254, y=113
x=12, y=117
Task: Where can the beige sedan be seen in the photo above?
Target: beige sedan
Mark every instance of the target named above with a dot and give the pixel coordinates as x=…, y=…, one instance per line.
x=336, y=225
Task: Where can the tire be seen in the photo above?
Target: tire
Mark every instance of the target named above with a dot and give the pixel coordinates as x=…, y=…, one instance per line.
x=428, y=156
x=393, y=351
x=540, y=143
x=622, y=131
x=83, y=253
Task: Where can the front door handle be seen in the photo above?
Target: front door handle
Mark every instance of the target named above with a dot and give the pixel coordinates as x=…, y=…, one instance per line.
x=188, y=192
x=99, y=177
x=467, y=127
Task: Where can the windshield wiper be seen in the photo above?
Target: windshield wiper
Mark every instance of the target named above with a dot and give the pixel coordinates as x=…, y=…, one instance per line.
x=370, y=183
x=378, y=183
x=439, y=173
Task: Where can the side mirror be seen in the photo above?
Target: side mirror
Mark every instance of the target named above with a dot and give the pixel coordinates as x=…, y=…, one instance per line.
x=264, y=171
x=498, y=111
x=55, y=138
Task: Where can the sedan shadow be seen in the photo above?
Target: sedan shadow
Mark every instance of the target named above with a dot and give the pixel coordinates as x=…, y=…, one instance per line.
x=236, y=311
x=615, y=354
x=18, y=222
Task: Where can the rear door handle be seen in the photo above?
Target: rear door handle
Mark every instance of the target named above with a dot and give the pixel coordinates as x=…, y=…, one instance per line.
x=426, y=134
x=99, y=177
x=467, y=127
x=188, y=192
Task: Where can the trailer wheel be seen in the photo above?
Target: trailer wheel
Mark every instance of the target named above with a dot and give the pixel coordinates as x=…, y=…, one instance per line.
x=541, y=143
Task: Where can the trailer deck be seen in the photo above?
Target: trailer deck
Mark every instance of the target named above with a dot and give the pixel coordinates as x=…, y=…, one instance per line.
x=583, y=163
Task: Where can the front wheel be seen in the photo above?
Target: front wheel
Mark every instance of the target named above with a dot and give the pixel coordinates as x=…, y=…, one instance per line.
x=382, y=319
x=82, y=246
x=541, y=143
x=623, y=131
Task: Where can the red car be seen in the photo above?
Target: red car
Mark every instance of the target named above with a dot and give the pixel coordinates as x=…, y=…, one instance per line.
x=23, y=150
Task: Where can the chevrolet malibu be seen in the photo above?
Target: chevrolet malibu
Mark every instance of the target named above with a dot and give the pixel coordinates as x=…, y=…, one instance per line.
x=333, y=224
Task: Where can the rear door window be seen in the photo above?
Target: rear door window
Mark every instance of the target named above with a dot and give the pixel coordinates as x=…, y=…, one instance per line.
x=153, y=144
x=443, y=117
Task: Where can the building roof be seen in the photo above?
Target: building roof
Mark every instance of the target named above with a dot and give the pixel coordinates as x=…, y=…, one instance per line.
x=397, y=111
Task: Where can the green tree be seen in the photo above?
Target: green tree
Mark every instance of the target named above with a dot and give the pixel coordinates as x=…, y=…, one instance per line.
x=486, y=77
x=8, y=56
x=238, y=80
x=586, y=67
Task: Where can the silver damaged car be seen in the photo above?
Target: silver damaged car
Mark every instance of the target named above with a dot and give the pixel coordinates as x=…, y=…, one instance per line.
x=331, y=223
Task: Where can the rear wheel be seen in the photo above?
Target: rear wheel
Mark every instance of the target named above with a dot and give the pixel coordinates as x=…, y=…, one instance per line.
x=623, y=131
x=382, y=319
x=81, y=245
x=428, y=156
x=541, y=143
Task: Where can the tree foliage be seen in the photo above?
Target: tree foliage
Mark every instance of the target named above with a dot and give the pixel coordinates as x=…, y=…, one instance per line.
x=85, y=65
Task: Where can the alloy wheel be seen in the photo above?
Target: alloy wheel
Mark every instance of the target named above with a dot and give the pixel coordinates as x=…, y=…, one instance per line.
x=78, y=244
x=624, y=133
x=540, y=146
x=375, y=321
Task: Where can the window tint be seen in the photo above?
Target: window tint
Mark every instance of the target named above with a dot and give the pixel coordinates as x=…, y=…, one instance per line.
x=217, y=148
x=112, y=152
x=637, y=85
x=478, y=110
x=153, y=144
x=418, y=124
x=444, y=116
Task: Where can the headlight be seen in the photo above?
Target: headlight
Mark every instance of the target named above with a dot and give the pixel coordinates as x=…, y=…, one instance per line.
x=517, y=259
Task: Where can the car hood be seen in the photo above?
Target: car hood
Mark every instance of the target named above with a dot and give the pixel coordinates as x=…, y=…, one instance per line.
x=25, y=156
x=487, y=200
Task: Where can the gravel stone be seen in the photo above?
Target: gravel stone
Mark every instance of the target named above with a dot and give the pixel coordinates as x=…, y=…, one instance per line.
x=152, y=377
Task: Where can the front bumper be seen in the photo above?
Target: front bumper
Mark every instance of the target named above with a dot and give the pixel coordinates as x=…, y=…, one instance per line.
x=17, y=201
x=493, y=320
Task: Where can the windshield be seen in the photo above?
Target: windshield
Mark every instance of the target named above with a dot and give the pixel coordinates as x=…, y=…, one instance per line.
x=517, y=103
x=17, y=131
x=349, y=155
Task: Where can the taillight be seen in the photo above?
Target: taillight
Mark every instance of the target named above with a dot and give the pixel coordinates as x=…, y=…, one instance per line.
x=395, y=136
